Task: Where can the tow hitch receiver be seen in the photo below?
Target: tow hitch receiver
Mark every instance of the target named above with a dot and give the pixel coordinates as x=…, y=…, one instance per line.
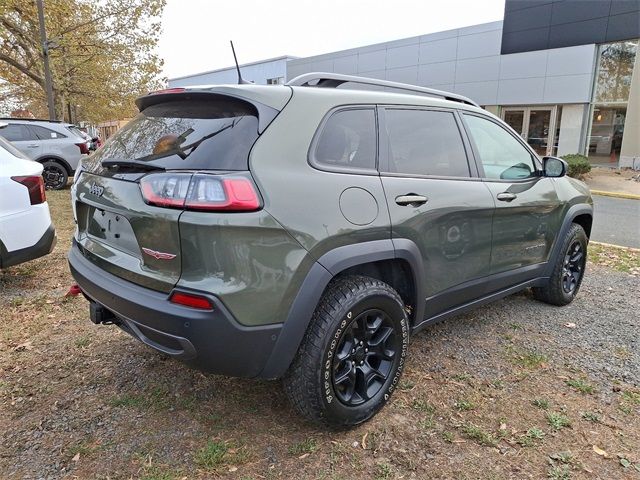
x=100, y=315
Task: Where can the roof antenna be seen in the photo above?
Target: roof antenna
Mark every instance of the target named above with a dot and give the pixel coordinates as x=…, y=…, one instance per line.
x=241, y=81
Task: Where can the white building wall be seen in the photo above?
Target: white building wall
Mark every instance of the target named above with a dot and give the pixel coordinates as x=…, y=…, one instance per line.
x=257, y=72
x=468, y=61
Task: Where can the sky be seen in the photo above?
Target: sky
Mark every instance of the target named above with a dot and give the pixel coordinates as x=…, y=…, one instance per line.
x=196, y=33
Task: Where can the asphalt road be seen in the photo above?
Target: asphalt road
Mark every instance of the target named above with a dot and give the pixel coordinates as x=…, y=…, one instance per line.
x=616, y=220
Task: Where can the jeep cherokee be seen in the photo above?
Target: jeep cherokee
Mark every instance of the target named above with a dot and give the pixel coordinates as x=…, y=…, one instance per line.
x=306, y=231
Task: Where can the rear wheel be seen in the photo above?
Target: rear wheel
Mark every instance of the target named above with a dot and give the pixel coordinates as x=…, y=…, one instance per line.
x=353, y=353
x=568, y=271
x=54, y=174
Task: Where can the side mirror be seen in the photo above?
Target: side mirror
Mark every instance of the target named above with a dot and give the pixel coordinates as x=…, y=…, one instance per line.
x=554, y=167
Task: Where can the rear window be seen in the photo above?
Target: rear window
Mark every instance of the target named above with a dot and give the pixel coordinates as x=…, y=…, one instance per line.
x=348, y=141
x=207, y=134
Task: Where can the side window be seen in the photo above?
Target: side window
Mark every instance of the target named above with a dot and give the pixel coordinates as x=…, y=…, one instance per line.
x=502, y=156
x=46, y=133
x=15, y=132
x=425, y=142
x=348, y=140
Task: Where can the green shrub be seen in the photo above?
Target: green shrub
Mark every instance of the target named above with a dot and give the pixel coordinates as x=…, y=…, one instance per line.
x=578, y=165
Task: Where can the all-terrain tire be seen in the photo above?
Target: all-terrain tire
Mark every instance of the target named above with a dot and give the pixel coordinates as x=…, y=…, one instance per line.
x=562, y=286
x=345, y=305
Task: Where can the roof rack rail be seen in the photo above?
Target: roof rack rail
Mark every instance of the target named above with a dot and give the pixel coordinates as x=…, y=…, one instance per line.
x=334, y=80
x=31, y=119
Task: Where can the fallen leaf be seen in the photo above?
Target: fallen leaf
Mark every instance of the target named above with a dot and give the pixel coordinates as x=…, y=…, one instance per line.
x=503, y=426
x=233, y=469
x=304, y=455
x=23, y=346
x=76, y=457
x=625, y=463
x=600, y=452
x=364, y=441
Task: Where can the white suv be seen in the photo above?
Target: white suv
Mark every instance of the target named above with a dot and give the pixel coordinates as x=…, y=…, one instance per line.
x=26, y=231
x=56, y=145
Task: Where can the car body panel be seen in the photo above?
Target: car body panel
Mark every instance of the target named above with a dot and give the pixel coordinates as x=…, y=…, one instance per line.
x=114, y=224
x=26, y=231
x=524, y=229
x=452, y=230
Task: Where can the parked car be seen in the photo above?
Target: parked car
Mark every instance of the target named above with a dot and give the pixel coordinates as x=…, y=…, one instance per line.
x=84, y=135
x=53, y=144
x=26, y=231
x=305, y=232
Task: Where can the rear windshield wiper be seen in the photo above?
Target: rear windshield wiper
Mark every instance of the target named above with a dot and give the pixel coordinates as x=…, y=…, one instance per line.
x=131, y=164
x=181, y=151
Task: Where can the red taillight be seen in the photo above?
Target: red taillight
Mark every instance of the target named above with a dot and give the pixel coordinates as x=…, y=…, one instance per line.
x=200, y=192
x=190, y=300
x=84, y=148
x=35, y=185
x=168, y=90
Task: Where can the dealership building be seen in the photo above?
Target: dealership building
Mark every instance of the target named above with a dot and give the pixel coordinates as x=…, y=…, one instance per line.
x=565, y=74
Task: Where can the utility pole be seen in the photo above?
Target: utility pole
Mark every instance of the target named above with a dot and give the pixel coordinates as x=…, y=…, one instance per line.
x=48, y=84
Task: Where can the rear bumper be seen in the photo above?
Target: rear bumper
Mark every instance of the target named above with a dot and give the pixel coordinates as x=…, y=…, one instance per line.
x=208, y=340
x=41, y=248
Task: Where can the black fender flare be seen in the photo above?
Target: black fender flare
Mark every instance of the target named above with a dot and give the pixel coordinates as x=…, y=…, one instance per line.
x=572, y=213
x=320, y=274
x=58, y=159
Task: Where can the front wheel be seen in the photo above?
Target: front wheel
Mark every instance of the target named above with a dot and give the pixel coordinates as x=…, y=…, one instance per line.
x=55, y=176
x=568, y=270
x=352, y=356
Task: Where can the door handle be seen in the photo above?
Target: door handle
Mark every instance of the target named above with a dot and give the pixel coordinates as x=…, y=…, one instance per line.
x=411, y=199
x=33, y=145
x=506, y=196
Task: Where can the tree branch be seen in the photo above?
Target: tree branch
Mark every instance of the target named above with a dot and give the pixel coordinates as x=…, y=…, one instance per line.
x=36, y=78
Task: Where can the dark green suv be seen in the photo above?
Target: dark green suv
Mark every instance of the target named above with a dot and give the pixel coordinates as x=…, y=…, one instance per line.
x=306, y=231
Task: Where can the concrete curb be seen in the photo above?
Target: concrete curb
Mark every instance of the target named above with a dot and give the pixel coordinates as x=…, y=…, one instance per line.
x=612, y=245
x=616, y=194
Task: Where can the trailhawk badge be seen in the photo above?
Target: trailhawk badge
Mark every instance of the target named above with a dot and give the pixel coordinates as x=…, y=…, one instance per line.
x=158, y=255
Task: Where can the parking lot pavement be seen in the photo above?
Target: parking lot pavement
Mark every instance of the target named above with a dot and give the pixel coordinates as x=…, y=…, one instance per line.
x=616, y=221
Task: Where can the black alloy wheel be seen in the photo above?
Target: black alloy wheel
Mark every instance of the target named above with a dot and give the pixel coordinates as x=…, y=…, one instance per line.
x=573, y=267
x=364, y=357
x=55, y=176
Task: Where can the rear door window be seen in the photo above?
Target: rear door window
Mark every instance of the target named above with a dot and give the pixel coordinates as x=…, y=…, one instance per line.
x=425, y=142
x=213, y=133
x=46, y=133
x=347, y=141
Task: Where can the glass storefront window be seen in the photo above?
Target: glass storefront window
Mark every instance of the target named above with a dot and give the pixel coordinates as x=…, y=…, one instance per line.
x=607, y=128
x=614, y=71
x=536, y=126
x=613, y=82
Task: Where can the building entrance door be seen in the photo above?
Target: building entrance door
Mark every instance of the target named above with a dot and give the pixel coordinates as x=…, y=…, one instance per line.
x=536, y=125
